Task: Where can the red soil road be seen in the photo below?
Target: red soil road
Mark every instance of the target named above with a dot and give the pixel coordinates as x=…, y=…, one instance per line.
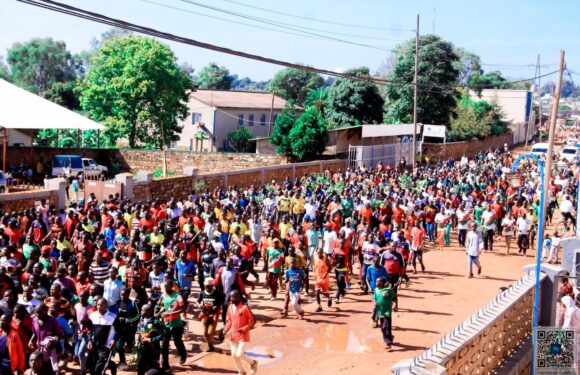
x=341, y=340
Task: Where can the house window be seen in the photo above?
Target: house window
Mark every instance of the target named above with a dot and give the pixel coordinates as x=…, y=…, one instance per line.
x=251, y=119
x=263, y=119
x=195, y=118
x=241, y=119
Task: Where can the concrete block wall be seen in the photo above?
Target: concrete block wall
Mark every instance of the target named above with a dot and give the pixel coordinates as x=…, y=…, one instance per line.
x=442, y=152
x=27, y=199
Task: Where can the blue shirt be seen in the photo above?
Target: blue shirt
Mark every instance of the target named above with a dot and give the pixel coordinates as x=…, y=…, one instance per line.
x=373, y=274
x=295, y=277
x=109, y=238
x=185, y=272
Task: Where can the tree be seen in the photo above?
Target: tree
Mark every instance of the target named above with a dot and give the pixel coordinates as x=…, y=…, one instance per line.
x=353, y=101
x=134, y=87
x=494, y=80
x=64, y=95
x=214, y=77
x=246, y=84
x=468, y=64
x=317, y=98
x=4, y=71
x=294, y=84
x=189, y=71
x=475, y=119
x=284, y=123
x=38, y=63
x=309, y=135
x=438, y=75
x=239, y=139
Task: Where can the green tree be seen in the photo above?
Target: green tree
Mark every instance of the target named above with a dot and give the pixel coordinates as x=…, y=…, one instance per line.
x=438, y=75
x=4, y=71
x=63, y=94
x=468, y=64
x=353, y=101
x=239, y=139
x=284, y=123
x=317, y=98
x=38, y=63
x=309, y=135
x=475, y=119
x=294, y=84
x=215, y=77
x=133, y=87
x=494, y=80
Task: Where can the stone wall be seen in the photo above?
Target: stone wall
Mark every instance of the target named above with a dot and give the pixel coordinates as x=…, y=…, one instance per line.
x=181, y=186
x=442, y=152
x=496, y=334
x=124, y=160
x=27, y=199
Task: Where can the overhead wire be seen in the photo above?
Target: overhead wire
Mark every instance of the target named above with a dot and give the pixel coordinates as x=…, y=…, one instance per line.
x=318, y=19
x=282, y=25
x=100, y=18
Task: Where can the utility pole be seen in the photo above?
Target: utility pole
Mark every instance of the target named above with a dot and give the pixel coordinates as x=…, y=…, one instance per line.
x=541, y=106
x=163, y=149
x=545, y=197
x=271, y=114
x=530, y=118
x=416, y=86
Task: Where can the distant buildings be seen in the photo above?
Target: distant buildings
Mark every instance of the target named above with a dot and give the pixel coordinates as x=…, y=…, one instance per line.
x=516, y=107
x=213, y=113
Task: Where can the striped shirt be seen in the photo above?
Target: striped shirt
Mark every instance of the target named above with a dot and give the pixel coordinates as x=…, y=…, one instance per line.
x=100, y=272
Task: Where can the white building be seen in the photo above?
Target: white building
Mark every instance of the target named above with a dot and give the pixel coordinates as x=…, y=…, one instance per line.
x=216, y=112
x=516, y=108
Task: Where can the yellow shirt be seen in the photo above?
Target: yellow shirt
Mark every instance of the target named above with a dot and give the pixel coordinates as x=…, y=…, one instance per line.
x=298, y=205
x=186, y=228
x=243, y=228
x=284, y=228
x=156, y=239
x=284, y=204
x=218, y=213
x=128, y=218
x=300, y=260
x=225, y=226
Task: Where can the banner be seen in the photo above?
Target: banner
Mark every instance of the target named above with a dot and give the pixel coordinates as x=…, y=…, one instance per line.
x=434, y=131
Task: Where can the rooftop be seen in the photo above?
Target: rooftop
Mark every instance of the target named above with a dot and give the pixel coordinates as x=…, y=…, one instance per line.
x=238, y=99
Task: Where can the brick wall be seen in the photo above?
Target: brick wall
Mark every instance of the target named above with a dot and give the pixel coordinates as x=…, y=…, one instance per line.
x=440, y=152
x=180, y=186
x=26, y=200
x=136, y=160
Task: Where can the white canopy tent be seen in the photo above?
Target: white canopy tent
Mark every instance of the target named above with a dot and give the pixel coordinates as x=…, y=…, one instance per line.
x=20, y=109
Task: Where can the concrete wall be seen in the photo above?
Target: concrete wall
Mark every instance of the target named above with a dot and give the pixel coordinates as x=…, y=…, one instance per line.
x=25, y=200
x=226, y=120
x=442, y=152
x=135, y=160
x=511, y=102
x=187, y=137
x=180, y=187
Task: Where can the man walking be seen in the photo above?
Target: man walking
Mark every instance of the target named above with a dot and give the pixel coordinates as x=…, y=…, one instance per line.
x=294, y=278
x=473, y=246
x=384, y=295
x=239, y=322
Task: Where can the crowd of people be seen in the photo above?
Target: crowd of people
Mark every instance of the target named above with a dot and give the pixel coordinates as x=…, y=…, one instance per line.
x=96, y=280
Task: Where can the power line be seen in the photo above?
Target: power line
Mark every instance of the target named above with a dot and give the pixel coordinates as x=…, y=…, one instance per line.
x=100, y=18
x=281, y=25
x=300, y=33
x=317, y=19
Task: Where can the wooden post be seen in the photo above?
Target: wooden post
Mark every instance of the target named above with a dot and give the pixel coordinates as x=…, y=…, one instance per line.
x=78, y=138
x=415, y=98
x=4, y=150
x=56, y=139
x=98, y=138
x=271, y=114
x=163, y=149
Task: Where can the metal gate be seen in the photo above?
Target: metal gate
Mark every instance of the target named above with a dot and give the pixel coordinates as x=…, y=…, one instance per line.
x=369, y=156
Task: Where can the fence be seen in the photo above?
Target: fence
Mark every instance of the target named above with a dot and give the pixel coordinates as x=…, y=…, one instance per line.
x=369, y=156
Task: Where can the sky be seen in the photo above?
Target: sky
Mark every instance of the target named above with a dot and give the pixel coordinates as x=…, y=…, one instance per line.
x=507, y=35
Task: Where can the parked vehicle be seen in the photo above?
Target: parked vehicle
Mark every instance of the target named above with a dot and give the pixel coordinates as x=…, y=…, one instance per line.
x=571, y=141
x=91, y=165
x=570, y=154
x=74, y=165
x=540, y=149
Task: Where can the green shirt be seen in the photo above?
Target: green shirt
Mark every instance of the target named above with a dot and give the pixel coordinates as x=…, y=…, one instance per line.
x=478, y=210
x=384, y=298
x=347, y=207
x=172, y=303
x=275, y=260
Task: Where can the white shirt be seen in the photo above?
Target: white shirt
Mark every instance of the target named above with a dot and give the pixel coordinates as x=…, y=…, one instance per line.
x=566, y=206
x=112, y=291
x=507, y=222
x=486, y=216
x=523, y=225
x=473, y=243
x=462, y=216
x=329, y=238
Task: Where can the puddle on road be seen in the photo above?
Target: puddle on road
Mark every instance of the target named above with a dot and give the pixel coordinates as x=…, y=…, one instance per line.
x=341, y=338
x=264, y=355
